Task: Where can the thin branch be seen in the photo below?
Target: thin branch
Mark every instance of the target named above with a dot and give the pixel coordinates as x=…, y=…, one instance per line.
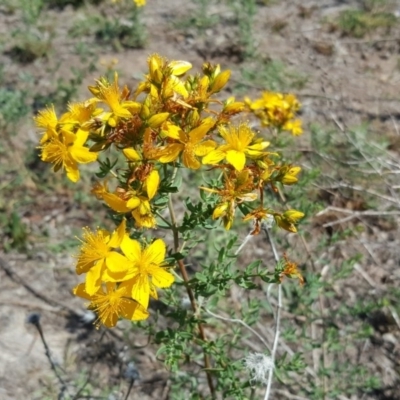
x=359, y=189
x=245, y=241
x=278, y=319
x=358, y=214
x=239, y=321
x=17, y=279
x=34, y=319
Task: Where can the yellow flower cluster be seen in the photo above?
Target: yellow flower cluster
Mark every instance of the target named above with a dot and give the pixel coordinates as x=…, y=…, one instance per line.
x=63, y=140
x=171, y=120
x=277, y=110
x=121, y=275
x=138, y=3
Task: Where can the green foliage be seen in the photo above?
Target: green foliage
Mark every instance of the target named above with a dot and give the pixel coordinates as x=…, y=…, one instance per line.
x=201, y=19
x=271, y=75
x=13, y=107
x=15, y=231
x=245, y=11
x=32, y=37
x=112, y=29
x=358, y=23
x=65, y=90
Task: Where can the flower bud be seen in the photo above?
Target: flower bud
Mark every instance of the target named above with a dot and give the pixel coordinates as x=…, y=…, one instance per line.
x=179, y=67
x=292, y=215
x=220, y=81
x=156, y=120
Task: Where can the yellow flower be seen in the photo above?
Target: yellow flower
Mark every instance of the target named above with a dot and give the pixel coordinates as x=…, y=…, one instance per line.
x=221, y=79
x=291, y=270
x=96, y=247
x=110, y=94
x=277, y=110
x=67, y=150
x=288, y=219
x=147, y=150
x=133, y=201
x=294, y=127
x=141, y=271
x=139, y=3
x=257, y=215
x=232, y=107
x=288, y=175
x=47, y=120
x=162, y=82
x=237, y=189
x=111, y=302
x=144, y=218
x=190, y=144
x=81, y=113
x=238, y=139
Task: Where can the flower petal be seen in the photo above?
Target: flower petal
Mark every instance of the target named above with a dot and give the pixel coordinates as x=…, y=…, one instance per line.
x=236, y=158
x=132, y=249
x=170, y=152
x=196, y=134
x=118, y=235
x=82, y=155
x=141, y=291
x=213, y=157
x=133, y=202
x=131, y=154
x=117, y=263
x=204, y=148
x=155, y=253
x=152, y=182
x=116, y=203
x=171, y=131
x=93, y=281
x=132, y=310
x=72, y=172
x=179, y=67
x=81, y=292
x=161, y=278
x=189, y=159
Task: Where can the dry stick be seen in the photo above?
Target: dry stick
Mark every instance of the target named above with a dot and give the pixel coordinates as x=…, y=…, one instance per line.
x=239, y=321
x=182, y=268
x=131, y=382
x=35, y=321
x=17, y=279
x=358, y=189
x=89, y=375
x=356, y=214
x=278, y=320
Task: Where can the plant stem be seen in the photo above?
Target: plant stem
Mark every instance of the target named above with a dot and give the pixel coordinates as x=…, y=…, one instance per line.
x=185, y=276
x=278, y=320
